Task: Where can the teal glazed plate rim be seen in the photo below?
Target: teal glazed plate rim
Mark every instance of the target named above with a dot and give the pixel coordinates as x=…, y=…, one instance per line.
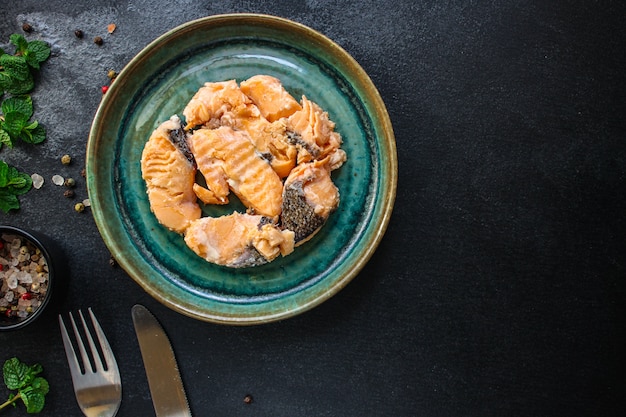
x=157, y=83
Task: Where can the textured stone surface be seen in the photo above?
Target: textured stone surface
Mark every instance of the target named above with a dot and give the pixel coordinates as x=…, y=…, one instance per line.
x=499, y=286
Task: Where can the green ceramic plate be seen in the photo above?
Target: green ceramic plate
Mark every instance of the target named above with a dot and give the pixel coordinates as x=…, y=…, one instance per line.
x=158, y=83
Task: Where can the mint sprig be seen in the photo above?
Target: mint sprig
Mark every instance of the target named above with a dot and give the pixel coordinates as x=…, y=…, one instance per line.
x=16, y=79
x=16, y=76
x=31, y=389
x=16, y=124
x=12, y=184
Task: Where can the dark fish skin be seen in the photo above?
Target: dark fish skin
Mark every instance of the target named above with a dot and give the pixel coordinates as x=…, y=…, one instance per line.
x=297, y=215
x=252, y=257
x=295, y=139
x=179, y=138
x=249, y=258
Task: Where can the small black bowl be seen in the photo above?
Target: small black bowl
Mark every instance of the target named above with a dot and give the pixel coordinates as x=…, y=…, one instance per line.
x=15, y=312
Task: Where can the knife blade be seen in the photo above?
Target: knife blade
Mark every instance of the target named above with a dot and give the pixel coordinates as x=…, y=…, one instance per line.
x=166, y=385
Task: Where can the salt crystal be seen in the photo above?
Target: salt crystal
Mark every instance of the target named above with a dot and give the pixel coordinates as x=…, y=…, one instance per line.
x=37, y=181
x=12, y=283
x=86, y=202
x=9, y=296
x=58, y=180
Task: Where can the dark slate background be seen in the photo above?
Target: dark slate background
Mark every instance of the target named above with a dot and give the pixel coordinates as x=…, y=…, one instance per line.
x=498, y=288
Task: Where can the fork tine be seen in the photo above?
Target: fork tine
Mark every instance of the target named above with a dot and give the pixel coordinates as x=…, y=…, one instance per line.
x=70, y=353
x=107, y=352
x=81, y=346
x=92, y=346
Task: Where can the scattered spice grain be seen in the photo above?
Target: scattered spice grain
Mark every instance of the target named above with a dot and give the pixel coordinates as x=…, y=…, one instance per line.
x=78, y=33
x=98, y=40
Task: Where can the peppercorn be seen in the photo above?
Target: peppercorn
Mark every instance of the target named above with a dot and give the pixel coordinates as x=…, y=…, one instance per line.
x=69, y=193
x=70, y=183
x=112, y=262
x=111, y=74
x=66, y=159
x=247, y=399
x=79, y=207
x=105, y=88
x=98, y=40
x=27, y=28
x=83, y=173
x=79, y=33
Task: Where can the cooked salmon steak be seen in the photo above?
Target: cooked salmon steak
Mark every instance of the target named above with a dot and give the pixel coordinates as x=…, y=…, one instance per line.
x=228, y=160
x=238, y=240
x=169, y=177
x=309, y=197
x=270, y=97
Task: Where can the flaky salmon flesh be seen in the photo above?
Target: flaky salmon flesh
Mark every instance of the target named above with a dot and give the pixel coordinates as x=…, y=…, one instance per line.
x=238, y=240
x=169, y=178
x=255, y=140
x=227, y=157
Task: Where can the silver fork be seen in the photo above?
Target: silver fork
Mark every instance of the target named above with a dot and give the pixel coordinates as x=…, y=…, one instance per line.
x=98, y=389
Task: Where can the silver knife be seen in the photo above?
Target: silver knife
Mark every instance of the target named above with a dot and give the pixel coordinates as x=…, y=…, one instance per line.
x=166, y=385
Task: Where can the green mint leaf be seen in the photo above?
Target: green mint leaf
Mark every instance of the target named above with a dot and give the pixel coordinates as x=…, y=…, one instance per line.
x=34, y=396
x=19, y=104
x=4, y=174
x=34, y=400
x=5, y=81
x=12, y=184
x=41, y=384
x=5, y=139
x=21, y=183
x=14, y=123
x=37, y=134
x=19, y=41
x=17, y=87
x=33, y=133
x=31, y=60
x=39, y=50
x=8, y=201
x=16, y=373
x=15, y=66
